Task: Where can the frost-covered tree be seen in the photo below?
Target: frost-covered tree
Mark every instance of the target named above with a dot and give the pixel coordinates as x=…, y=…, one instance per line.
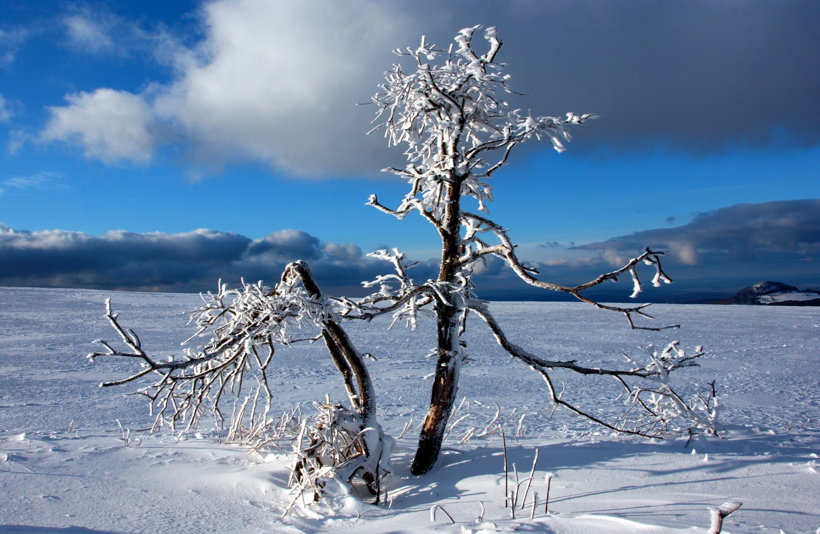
x=447, y=108
x=450, y=114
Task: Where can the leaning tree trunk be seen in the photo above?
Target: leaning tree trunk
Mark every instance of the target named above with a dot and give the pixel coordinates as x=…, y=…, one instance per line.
x=348, y=361
x=364, y=457
x=448, y=365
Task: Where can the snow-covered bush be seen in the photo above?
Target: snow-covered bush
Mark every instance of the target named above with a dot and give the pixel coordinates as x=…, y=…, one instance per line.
x=337, y=446
x=243, y=327
x=448, y=111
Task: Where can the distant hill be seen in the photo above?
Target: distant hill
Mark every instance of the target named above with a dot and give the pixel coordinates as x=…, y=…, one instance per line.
x=774, y=294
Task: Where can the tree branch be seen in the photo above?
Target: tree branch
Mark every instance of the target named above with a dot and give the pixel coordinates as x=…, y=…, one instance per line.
x=506, y=251
x=658, y=368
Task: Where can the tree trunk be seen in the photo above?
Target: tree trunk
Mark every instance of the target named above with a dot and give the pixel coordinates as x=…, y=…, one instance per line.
x=448, y=365
x=443, y=395
x=359, y=386
x=348, y=361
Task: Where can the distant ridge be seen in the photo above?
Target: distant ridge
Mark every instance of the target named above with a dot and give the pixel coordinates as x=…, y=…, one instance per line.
x=774, y=294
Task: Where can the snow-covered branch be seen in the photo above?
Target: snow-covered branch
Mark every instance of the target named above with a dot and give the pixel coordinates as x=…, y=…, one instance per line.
x=243, y=327
x=660, y=402
x=450, y=113
x=505, y=249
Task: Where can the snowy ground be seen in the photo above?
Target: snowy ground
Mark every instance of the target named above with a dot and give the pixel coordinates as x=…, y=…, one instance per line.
x=792, y=296
x=66, y=466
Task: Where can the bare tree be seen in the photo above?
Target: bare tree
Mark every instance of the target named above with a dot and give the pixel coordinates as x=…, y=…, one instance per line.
x=450, y=115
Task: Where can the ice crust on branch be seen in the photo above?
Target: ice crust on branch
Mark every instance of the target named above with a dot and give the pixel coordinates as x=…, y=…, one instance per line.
x=452, y=117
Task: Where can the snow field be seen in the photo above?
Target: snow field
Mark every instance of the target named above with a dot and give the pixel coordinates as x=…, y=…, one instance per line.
x=66, y=465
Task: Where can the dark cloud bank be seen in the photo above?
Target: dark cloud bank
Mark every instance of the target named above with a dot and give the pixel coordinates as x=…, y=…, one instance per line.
x=695, y=74
x=713, y=256
x=191, y=261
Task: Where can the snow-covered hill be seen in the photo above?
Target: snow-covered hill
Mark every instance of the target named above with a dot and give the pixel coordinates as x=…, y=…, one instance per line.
x=775, y=293
x=72, y=461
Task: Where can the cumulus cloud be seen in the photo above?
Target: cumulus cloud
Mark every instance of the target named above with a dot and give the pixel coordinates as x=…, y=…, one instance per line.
x=283, y=246
x=276, y=82
x=109, y=125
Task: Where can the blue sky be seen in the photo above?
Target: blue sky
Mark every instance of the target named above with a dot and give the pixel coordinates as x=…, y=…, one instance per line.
x=161, y=145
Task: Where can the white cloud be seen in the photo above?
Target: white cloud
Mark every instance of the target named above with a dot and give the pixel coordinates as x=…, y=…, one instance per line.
x=276, y=81
x=110, y=125
x=100, y=32
x=280, y=80
x=343, y=252
x=686, y=253
x=85, y=33
x=17, y=139
x=284, y=245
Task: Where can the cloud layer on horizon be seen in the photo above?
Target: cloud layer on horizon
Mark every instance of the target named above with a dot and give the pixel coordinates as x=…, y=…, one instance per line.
x=276, y=82
x=777, y=240
x=190, y=261
x=717, y=252
x=743, y=230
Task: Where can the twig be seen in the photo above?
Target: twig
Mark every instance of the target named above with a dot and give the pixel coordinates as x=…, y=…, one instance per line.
x=529, y=480
x=720, y=513
x=519, y=431
x=439, y=507
x=534, y=504
x=548, y=478
x=506, y=469
x=517, y=485
x=480, y=518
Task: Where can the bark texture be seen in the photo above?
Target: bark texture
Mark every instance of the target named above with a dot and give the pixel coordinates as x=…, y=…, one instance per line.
x=448, y=364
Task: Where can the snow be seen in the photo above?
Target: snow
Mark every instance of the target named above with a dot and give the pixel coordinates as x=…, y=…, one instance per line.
x=791, y=296
x=73, y=461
